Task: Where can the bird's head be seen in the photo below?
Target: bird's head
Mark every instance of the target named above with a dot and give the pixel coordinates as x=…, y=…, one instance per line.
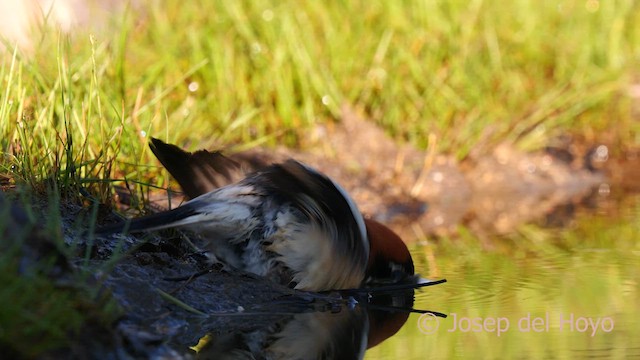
x=389, y=258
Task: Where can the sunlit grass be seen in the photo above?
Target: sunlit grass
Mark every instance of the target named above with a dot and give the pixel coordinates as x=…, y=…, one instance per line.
x=77, y=112
x=209, y=74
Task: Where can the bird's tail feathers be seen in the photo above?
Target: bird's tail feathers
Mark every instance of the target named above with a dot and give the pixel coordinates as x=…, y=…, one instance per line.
x=180, y=216
x=198, y=172
x=217, y=214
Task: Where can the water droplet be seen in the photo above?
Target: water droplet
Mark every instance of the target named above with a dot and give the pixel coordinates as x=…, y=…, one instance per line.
x=531, y=168
x=604, y=189
x=256, y=49
x=602, y=153
x=378, y=74
x=326, y=99
x=267, y=15
x=592, y=5
x=193, y=86
x=502, y=159
x=437, y=176
x=143, y=133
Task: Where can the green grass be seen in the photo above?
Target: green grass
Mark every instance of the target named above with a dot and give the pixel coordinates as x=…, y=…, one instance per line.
x=78, y=111
x=469, y=74
x=48, y=305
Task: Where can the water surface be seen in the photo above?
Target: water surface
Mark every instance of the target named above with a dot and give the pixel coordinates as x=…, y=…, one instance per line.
x=571, y=292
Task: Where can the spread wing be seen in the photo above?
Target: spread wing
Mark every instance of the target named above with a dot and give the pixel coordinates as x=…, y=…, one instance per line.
x=330, y=233
x=198, y=172
x=334, y=235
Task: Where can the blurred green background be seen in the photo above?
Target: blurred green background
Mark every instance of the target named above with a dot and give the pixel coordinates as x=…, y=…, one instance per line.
x=79, y=107
x=469, y=73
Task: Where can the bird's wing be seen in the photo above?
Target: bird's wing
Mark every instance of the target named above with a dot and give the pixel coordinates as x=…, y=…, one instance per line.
x=198, y=172
x=335, y=233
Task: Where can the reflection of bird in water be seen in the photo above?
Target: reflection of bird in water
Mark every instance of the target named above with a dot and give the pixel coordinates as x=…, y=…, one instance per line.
x=345, y=334
x=286, y=221
x=317, y=335
x=387, y=314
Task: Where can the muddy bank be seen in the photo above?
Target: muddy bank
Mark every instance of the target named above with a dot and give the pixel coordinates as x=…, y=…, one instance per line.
x=431, y=194
x=421, y=193
x=160, y=296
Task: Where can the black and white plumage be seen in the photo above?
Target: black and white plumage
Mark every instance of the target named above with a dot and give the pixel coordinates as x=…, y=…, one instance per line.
x=287, y=222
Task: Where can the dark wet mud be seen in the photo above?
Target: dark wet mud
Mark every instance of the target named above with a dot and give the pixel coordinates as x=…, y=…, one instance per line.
x=172, y=299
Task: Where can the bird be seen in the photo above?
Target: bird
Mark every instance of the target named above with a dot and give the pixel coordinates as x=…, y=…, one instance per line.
x=329, y=334
x=284, y=221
